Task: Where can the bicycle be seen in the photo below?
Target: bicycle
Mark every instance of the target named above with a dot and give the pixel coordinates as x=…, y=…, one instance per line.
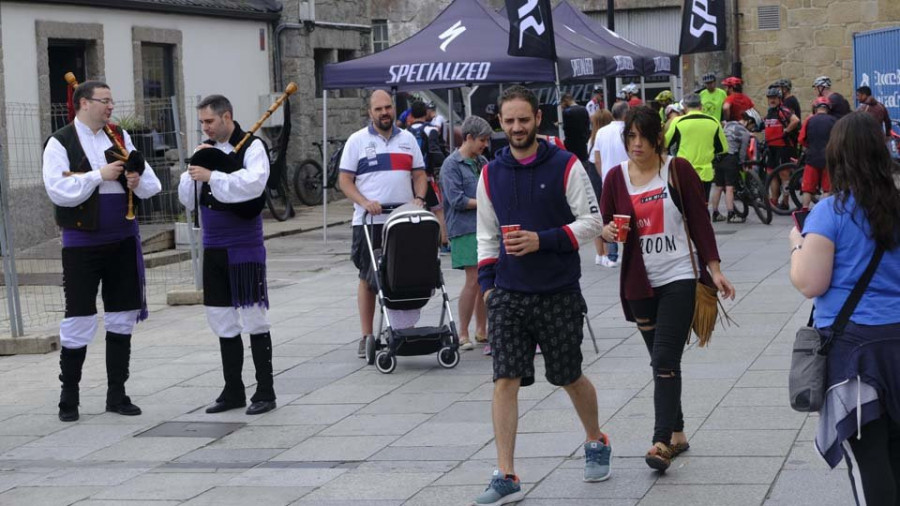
x=307, y=176
x=750, y=192
x=791, y=186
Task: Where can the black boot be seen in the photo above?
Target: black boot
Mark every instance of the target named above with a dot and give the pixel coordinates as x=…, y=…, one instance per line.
x=232, y=395
x=70, y=362
x=264, y=398
x=118, y=355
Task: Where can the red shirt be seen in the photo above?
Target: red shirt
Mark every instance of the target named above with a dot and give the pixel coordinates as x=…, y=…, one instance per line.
x=615, y=199
x=739, y=103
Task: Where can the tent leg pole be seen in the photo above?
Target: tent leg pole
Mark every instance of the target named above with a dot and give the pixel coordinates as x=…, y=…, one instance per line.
x=450, y=106
x=559, y=113
x=643, y=91
x=325, y=167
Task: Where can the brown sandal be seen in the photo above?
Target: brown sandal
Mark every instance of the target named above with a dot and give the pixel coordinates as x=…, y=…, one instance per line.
x=679, y=448
x=661, y=458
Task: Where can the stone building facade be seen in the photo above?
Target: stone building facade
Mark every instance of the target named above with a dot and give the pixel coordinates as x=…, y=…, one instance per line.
x=815, y=37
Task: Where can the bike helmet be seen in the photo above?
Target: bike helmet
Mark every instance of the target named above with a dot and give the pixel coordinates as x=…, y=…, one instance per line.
x=430, y=105
x=756, y=121
x=621, y=95
x=774, y=91
x=490, y=109
x=823, y=81
x=709, y=77
x=665, y=96
x=783, y=83
x=821, y=102
x=732, y=81
x=630, y=88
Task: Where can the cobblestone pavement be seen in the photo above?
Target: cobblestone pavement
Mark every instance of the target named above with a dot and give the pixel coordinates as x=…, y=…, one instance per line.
x=345, y=434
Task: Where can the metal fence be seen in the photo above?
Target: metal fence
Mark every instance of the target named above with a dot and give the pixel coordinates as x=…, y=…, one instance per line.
x=32, y=300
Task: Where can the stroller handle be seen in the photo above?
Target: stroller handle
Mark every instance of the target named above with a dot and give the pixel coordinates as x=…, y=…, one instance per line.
x=385, y=209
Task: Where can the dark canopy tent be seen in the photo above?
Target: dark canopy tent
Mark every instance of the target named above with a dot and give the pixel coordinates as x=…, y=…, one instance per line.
x=648, y=62
x=466, y=44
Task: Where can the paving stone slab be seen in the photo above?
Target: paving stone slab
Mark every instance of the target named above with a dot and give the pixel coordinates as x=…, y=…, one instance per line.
x=308, y=414
x=164, y=486
x=446, y=496
x=376, y=425
x=407, y=466
x=426, y=453
x=705, y=495
x=150, y=449
x=757, y=417
x=559, y=444
x=90, y=476
x=244, y=495
x=374, y=486
x=448, y=434
x=219, y=456
x=344, y=448
x=817, y=487
x=742, y=443
x=46, y=496
x=271, y=477
x=569, y=484
x=697, y=470
x=268, y=436
x=399, y=403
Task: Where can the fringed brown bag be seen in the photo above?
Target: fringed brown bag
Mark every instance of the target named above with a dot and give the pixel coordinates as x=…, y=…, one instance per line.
x=707, y=303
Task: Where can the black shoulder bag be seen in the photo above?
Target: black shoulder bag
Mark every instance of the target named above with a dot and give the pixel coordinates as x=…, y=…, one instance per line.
x=807, y=381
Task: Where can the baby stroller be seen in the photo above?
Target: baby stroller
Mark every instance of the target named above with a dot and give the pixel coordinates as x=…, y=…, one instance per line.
x=407, y=271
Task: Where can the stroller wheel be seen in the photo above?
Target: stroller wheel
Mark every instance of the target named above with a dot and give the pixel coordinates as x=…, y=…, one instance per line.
x=385, y=362
x=370, y=349
x=448, y=358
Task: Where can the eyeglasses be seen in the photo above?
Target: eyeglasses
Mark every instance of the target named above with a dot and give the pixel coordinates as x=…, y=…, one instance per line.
x=104, y=101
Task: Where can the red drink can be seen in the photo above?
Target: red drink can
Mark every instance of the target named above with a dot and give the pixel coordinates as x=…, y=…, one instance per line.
x=621, y=221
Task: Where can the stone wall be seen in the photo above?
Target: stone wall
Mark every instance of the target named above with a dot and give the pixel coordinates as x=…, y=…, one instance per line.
x=346, y=113
x=815, y=38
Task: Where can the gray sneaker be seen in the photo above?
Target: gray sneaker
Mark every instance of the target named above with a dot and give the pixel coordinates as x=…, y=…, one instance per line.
x=501, y=490
x=361, y=350
x=597, y=458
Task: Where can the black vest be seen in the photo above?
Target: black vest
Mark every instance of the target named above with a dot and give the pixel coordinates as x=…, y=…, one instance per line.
x=247, y=209
x=84, y=216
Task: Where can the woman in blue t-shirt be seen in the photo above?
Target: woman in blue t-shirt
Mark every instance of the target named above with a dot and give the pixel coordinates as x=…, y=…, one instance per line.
x=838, y=240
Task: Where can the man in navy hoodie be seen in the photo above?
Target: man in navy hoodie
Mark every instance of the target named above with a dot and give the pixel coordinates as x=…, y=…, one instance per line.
x=535, y=207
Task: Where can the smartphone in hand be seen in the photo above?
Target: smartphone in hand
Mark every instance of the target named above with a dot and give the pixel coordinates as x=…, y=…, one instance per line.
x=799, y=218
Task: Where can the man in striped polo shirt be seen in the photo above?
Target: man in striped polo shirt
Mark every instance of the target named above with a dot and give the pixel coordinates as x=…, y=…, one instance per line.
x=381, y=164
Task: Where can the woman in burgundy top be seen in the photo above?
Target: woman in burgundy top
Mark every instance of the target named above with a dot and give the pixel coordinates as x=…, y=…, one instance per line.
x=657, y=284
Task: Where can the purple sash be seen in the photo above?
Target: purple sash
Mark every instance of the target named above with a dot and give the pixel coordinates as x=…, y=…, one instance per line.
x=113, y=228
x=243, y=239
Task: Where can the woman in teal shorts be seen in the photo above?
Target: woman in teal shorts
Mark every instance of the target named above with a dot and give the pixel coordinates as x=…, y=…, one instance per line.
x=459, y=179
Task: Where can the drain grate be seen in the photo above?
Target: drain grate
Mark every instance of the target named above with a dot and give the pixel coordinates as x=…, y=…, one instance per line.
x=213, y=430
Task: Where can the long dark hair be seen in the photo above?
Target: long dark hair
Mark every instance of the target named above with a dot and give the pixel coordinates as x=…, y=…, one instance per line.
x=860, y=164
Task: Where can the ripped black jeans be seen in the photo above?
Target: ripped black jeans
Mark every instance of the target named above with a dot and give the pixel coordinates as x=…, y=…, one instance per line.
x=665, y=322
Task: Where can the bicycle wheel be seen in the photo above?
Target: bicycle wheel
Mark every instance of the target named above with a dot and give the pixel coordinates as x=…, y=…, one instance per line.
x=758, y=198
x=785, y=205
x=795, y=185
x=740, y=204
x=278, y=200
x=308, y=182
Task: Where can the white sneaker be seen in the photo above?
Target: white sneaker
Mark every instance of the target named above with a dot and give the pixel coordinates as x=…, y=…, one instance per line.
x=598, y=260
x=615, y=263
x=606, y=262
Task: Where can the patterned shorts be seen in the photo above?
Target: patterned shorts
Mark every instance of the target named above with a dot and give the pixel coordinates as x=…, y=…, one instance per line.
x=519, y=321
